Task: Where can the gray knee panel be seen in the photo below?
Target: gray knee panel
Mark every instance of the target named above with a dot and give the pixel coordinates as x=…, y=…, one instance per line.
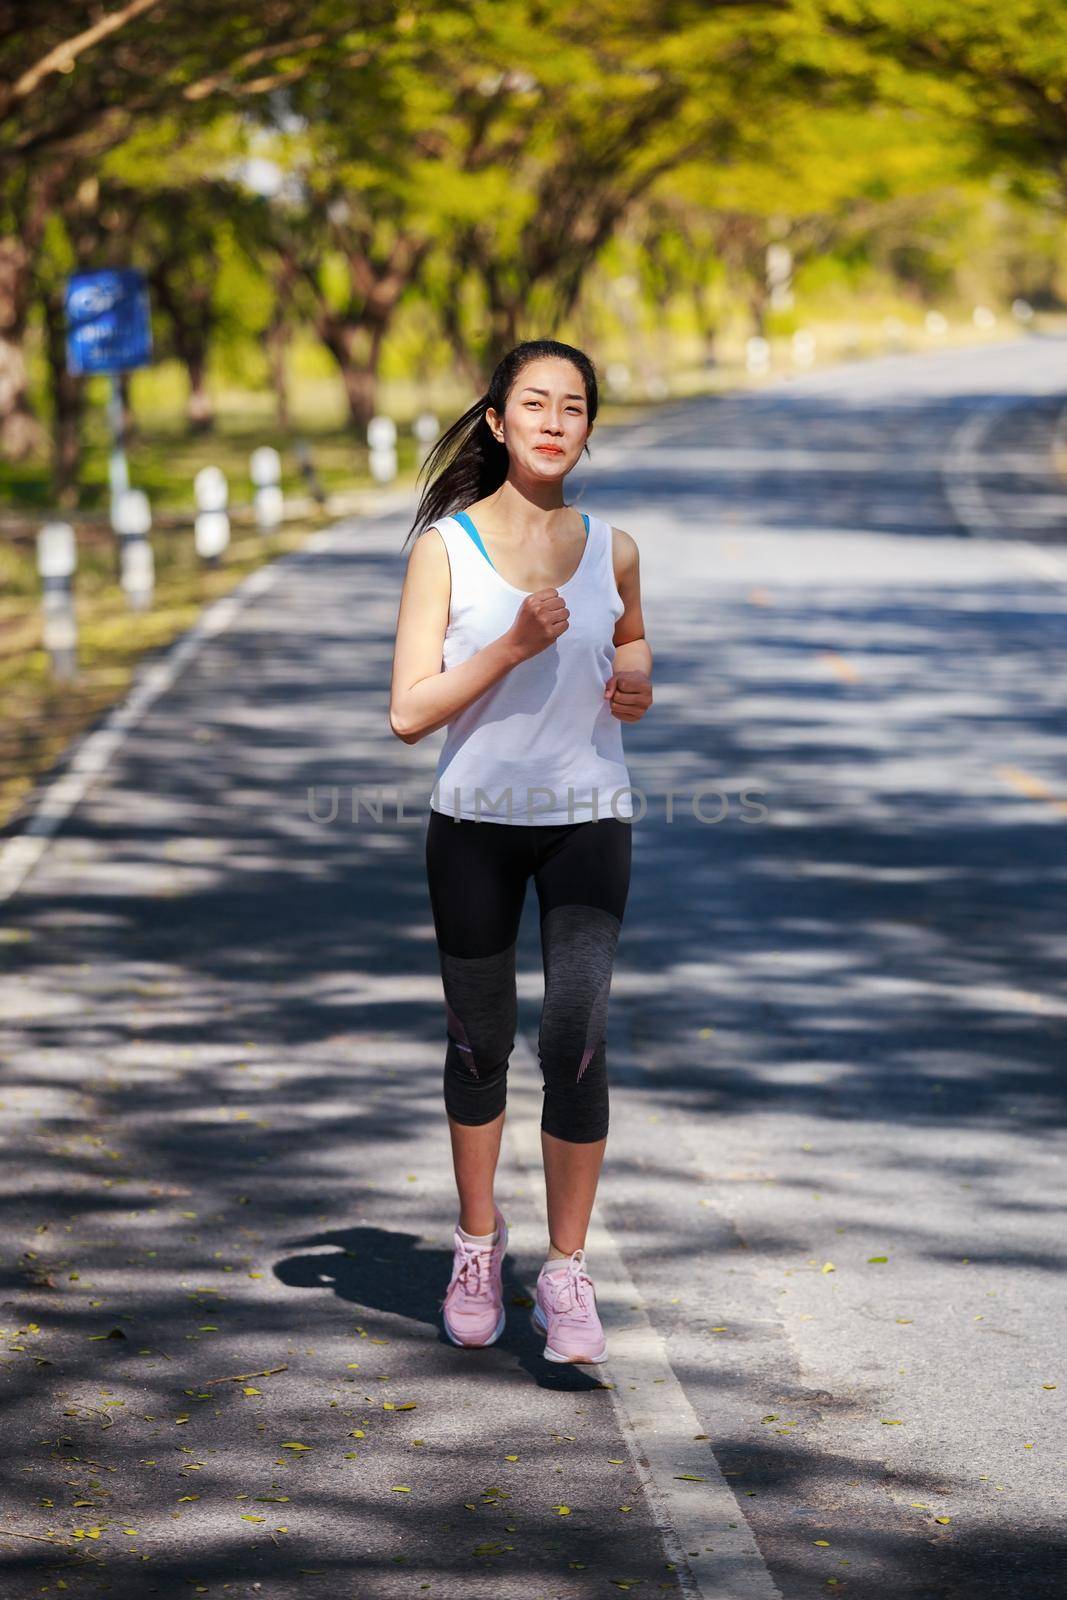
x=481, y=1009
x=578, y=947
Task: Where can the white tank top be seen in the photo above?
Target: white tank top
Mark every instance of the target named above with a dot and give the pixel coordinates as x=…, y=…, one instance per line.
x=544, y=732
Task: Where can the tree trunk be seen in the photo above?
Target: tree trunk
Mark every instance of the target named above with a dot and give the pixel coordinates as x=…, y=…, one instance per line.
x=361, y=392
x=191, y=321
x=276, y=342
x=21, y=432
x=68, y=404
x=199, y=410
x=449, y=307
x=707, y=325
x=758, y=299
x=356, y=348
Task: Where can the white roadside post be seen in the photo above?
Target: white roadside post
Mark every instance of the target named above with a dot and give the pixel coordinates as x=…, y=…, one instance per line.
x=803, y=346
x=426, y=428
x=212, y=522
x=381, y=436
x=894, y=331
x=618, y=377
x=757, y=356
x=266, y=473
x=779, y=270
x=131, y=518
x=56, y=560
x=118, y=469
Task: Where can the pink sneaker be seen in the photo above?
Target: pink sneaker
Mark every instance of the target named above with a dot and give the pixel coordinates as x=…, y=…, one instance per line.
x=473, y=1305
x=565, y=1310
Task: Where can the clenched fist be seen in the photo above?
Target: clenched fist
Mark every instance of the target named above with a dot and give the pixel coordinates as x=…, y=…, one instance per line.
x=539, y=621
x=630, y=694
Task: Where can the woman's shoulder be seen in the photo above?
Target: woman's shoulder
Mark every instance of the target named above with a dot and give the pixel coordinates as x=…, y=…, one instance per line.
x=623, y=546
x=430, y=547
x=436, y=532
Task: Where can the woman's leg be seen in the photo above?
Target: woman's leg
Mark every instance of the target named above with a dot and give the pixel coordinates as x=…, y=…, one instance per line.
x=582, y=879
x=571, y=1175
x=475, y=1152
x=477, y=873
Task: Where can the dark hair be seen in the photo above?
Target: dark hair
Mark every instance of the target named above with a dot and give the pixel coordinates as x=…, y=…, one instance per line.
x=467, y=462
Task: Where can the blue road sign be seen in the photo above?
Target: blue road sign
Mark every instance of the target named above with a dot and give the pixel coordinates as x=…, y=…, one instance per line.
x=108, y=326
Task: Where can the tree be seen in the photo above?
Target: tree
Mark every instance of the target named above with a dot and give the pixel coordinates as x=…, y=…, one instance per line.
x=78, y=77
x=1000, y=71
x=544, y=152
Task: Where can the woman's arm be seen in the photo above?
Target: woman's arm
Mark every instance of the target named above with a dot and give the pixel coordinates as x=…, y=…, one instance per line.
x=423, y=697
x=630, y=685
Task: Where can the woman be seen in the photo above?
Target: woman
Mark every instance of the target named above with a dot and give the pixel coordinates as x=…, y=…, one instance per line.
x=520, y=630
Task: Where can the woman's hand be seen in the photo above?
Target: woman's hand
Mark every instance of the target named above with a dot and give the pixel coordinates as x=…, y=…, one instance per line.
x=630, y=694
x=539, y=621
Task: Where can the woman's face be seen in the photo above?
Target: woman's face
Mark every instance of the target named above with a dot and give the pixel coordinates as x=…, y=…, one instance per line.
x=546, y=419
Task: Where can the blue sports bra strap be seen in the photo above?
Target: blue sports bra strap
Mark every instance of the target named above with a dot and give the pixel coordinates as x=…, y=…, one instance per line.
x=465, y=522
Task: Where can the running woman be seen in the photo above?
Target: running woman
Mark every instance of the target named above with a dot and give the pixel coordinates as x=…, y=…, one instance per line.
x=520, y=631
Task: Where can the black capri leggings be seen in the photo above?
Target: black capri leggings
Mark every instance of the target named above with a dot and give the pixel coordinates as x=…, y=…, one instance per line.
x=477, y=874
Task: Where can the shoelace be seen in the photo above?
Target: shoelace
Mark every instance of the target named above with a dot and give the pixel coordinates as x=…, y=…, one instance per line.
x=476, y=1257
x=575, y=1293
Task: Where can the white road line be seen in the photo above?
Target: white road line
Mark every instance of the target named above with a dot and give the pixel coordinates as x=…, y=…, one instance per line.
x=93, y=752
x=655, y=1415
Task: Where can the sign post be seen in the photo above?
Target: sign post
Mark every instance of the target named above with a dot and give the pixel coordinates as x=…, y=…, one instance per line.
x=109, y=330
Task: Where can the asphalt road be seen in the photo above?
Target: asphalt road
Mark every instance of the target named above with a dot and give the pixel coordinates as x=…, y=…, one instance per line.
x=829, y=1234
